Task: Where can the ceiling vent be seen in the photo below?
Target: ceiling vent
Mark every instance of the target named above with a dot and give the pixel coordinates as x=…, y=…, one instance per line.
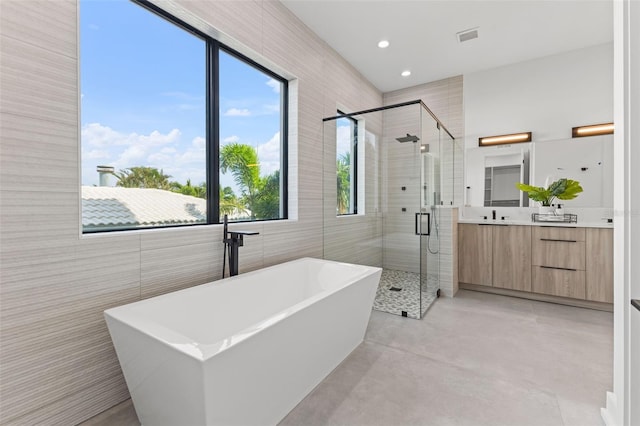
x=467, y=35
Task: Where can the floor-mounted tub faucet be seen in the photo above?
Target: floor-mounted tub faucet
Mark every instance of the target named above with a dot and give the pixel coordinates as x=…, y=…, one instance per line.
x=232, y=241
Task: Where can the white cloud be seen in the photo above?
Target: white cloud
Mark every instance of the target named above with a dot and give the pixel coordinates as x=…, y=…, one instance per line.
x=274, y=84
x=180, y=160
x=269, y=155
x=343, y=140
x=95, y=134
x=199, y=142
x=96, y=154
x=235, y=112
x=231, y=139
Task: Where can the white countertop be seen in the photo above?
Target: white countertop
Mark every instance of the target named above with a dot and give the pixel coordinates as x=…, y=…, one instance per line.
x=587, y=217
x=579, y=224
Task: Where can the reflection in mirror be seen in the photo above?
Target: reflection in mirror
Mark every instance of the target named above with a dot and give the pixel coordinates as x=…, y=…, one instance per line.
x=588, y=160
x=501, y=173
x=492, y=174
x=488, y=170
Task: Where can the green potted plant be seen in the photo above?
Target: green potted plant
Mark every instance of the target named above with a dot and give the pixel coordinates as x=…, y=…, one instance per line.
x=562, y=189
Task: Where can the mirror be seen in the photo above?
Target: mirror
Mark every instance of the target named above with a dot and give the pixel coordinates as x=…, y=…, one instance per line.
x=491, y=172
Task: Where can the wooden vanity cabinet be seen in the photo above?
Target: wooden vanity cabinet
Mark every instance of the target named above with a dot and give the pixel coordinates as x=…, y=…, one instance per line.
x=512, y=257
x=599, y=260
x=475, y=253
x=495, y=255
x=569, y=262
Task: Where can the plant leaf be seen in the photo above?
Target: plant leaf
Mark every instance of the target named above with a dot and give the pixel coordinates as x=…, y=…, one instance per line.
x=571, y=191
x=536, y=193
x=558, y=187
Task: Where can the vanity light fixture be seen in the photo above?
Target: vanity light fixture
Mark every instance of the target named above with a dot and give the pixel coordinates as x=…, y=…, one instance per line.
x=406, y=73
x=505, y=139
x=383, y=44
x=592, y=130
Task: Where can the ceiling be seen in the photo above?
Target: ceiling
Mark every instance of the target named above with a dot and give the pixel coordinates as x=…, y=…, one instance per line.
x=422, y=33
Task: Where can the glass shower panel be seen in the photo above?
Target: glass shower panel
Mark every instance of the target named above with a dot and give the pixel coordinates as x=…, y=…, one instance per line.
x=400, y=183
x=399, y=292
x=430, y=158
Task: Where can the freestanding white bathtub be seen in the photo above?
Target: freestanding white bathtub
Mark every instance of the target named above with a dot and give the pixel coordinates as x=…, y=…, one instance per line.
x=243, y=350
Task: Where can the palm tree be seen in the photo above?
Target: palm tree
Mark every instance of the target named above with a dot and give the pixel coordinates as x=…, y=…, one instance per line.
x=260, y=195
x=199, y=191
x=343, y=168
x=143, y=177
x=242, y=161
x=229, y=202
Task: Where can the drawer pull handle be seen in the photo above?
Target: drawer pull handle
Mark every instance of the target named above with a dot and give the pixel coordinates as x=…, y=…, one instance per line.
x=564, y=241
x=563, y=269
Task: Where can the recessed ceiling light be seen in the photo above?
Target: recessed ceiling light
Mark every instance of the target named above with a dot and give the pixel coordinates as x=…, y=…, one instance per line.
x=383, y=43
x=406, y=73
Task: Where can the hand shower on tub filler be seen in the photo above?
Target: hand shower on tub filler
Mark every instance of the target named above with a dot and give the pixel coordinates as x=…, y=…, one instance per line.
x=232, y=240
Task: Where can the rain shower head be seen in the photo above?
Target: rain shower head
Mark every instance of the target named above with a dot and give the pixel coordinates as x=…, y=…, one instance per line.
x=408, y=138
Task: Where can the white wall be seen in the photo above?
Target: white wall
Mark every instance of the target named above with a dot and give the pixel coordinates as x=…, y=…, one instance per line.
x=58, y=363
x=546, y=96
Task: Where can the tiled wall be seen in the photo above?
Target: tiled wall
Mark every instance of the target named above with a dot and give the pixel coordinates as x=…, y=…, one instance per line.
x=355, y=238
x=401, y=188
x=58, y=363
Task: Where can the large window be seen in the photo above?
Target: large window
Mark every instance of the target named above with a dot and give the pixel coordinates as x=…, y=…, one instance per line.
x=346, y=165
x=177, y=129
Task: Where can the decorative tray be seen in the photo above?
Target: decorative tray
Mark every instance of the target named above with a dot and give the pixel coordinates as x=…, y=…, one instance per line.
x=562, y=218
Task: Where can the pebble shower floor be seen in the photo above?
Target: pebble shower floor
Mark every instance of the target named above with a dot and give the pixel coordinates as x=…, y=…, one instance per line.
x=408, y=298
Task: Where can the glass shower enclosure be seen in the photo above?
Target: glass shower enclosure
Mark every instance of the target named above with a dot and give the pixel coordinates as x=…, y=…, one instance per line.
x=396, y=179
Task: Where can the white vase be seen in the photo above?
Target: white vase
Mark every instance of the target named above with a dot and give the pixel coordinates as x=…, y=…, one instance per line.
x=546, y=210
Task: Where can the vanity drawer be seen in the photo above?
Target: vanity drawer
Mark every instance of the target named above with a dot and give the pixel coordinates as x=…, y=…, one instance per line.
x=559, y=254
x=558, y=282
x=551, y=233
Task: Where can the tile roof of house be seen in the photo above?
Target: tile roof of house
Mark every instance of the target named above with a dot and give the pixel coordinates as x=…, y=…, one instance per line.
x=106, y=207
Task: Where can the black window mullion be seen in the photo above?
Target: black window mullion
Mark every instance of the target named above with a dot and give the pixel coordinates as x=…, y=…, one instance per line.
x=355, y=166
x=213, y=134
x=284, y=160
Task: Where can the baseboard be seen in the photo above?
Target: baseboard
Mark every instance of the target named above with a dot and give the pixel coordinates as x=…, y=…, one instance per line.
x=609, y=413
x=600, y=306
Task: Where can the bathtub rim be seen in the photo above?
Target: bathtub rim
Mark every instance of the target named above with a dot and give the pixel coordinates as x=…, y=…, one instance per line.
x=202, y=352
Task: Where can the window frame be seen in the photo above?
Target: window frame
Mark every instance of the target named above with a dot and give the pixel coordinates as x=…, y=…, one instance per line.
x=212, y=125
x=354, y=163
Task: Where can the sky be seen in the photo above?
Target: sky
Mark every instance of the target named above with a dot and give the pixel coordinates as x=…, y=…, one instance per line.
x=142, y=82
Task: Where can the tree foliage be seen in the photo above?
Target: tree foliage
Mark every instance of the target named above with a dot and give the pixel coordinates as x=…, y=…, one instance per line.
x=343, y=175
x=260, y=195
x=143, y=177
x=199, y=191
x=229, y=202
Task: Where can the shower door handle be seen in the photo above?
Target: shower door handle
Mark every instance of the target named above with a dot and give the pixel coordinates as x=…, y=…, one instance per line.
x=419, y=223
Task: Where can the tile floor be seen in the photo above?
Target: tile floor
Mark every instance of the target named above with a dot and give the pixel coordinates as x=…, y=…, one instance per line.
x=476, y=359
